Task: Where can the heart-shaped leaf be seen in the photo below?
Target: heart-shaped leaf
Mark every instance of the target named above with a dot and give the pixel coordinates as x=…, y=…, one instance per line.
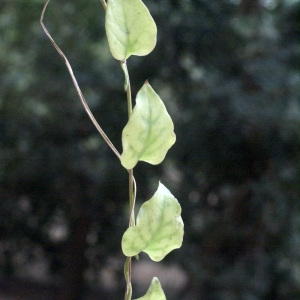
x=149, y=133
x=159, y=227
x=130, y=29
x=155, y=292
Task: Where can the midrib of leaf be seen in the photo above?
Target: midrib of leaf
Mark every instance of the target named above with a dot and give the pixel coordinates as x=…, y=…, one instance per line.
x=127, y=31
x=160, y=223
x=150, y=127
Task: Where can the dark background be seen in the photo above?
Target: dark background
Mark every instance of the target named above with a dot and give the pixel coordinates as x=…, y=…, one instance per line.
x=229, y=74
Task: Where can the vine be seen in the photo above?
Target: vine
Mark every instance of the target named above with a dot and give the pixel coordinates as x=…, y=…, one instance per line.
x=147, y=136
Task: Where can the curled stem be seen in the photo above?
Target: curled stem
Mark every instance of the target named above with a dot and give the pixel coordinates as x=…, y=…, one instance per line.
x=103, y=4
x=81, y=97
x=132, y=182
x=132, y=185
x=127, y=274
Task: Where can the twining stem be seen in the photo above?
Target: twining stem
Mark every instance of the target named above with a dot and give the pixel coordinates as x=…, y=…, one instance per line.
x=81, y=97
x=103, y=4
x=132, y=185
x=127, y=87
x=132, y=182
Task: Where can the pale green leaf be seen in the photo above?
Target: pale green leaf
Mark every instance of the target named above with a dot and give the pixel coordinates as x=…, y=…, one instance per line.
x=149, y=133
x=155, y=292
x=130, y=29
x=159, y=227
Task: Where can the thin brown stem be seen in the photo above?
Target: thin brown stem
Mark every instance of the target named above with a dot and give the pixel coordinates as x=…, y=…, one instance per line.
x=81, y=97
x=132, y=182
x=103, y=4
x=132, y=185
x=127, y=273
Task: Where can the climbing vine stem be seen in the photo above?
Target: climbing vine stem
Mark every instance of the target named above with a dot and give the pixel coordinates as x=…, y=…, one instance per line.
x=147, y=136
x=132, y=186
x=103, y=2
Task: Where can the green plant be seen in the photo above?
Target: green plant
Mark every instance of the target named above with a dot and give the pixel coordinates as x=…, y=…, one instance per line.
x=148, y=135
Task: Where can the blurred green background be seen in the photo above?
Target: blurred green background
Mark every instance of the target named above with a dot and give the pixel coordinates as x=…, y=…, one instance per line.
x=229, y=74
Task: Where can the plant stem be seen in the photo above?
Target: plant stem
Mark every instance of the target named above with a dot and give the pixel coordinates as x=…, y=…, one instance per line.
x=80, y=95
x=103, y=4
x=132, y=185
x=127, y=273
x=127, y=87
